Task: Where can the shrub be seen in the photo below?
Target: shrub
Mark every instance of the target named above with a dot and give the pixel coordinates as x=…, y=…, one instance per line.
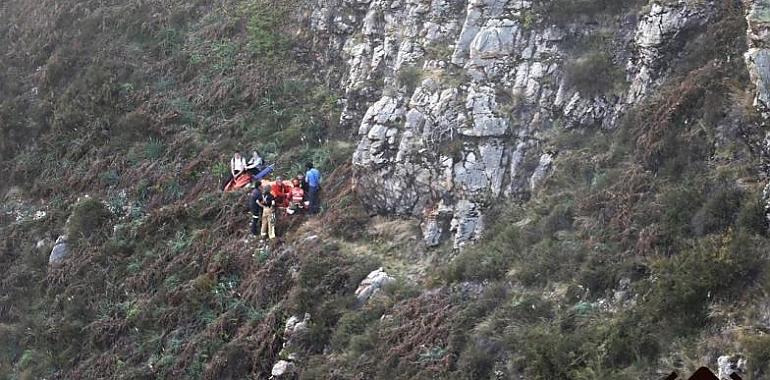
x=328, y=273
x=713, y=268
x=593, y=74
x=632, y=338
x=263, y=24
x=352, y=324
x=560, y=218
x=719, y=211
x=477, y=361
x=88, y=217
x=479, y=264
x=757, y=350
x=409, y=77
x=554, y=354
x=154, y=149
x=169, y=40
x=752, y=217
x=549, y=260
x=565, y=11
x=110, y=178
x=132, y=125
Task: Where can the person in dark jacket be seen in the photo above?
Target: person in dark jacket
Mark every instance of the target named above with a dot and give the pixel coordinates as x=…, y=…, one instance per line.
x=303, y=183
x=256, y=209
x=267, y=202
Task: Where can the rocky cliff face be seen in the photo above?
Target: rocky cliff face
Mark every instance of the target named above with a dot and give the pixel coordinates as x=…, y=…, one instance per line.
x=758, y=63
x=454, y=101
x=758, y=55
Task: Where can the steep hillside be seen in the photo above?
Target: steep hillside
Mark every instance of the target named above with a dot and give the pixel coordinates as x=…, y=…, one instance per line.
x=544, y=189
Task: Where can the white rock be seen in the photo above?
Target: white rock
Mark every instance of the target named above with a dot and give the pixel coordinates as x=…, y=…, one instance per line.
x=730, y=364
x=489, y=89
x=42, y=243
x=467, y=223
x=542, y=170
x=372, y=284
x=295, y=325
x=59, y=251
x=758, y=64
x=283, y=369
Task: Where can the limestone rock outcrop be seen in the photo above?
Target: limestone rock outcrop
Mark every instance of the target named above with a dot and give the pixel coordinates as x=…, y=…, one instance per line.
x=453, y=100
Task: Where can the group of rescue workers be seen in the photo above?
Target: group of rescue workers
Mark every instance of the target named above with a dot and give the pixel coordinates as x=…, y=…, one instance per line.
x=301, y=193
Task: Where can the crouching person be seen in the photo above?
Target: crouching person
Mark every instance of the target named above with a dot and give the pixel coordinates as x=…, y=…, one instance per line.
x=297, y=197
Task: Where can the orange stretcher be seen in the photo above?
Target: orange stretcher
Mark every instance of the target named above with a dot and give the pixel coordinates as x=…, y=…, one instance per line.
x=239, y=182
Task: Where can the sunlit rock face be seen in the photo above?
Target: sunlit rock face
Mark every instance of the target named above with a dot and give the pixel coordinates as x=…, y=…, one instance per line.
x=453, y=101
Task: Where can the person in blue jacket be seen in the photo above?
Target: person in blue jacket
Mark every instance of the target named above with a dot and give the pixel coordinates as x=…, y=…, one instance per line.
x=313, y=179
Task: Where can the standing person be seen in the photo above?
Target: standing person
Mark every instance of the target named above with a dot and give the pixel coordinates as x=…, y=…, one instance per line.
x=313, y=178
x=267, y=202
x=256, y=209
x=302, y=183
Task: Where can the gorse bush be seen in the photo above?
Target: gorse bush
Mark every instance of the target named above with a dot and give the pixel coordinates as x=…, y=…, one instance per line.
x=712, y=269
x=565, y=11
x=410, y=77
x=594, y=74
x=758, y=355
x=264, y=21
x=88, y=217
x=752, y=217
x=719, y=210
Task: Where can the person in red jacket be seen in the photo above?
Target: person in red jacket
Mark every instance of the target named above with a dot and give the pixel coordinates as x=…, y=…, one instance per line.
x=297, y=196
x=281, y=192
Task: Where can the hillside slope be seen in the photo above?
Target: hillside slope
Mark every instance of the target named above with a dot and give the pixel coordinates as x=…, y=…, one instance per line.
x=513, y=189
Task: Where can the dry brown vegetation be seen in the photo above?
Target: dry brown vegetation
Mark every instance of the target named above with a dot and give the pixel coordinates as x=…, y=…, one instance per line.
x=151, y=97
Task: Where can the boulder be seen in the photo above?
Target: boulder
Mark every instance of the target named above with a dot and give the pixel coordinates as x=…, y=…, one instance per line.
x=542, y=171
x=283, y=369
x=758, y=64
x=372, y=284
x=731, y=364
x=296, y=326
x=42, y=243
x=59, y=251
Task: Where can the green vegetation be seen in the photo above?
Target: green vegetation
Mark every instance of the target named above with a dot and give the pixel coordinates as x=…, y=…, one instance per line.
x=581, y=74
x=645, y=239
x=410, y=77
x=565, y=11
x=623, y=257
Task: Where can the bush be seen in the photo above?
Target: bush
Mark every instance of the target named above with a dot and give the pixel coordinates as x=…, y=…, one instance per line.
x=88, y=217
x=593, y=74
x=564, y=11
x=409, y=77
x=682, y=286
x=154, y=149
x=263, y=24
x=752, y=217
x=351, y=325
x=757, y=350
x=719, y=212
x=479, y=264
